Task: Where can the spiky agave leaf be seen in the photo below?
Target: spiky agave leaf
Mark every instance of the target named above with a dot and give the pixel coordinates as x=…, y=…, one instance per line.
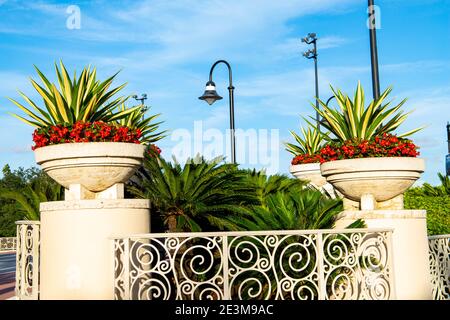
x=311, y=141
x=134, y=119
x=70, y=100
x=354, y=120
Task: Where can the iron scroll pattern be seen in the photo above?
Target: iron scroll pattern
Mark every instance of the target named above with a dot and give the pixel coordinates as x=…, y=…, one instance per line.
x=284, y=265
x=8, y=244
x=27, y=260
x=439, y=247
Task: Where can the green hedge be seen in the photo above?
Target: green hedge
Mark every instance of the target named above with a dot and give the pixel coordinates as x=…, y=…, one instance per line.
x=438, y=211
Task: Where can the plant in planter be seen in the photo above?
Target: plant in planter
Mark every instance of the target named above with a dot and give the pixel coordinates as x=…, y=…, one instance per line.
x=366, y=161
x=84, y=135
x=306, y=162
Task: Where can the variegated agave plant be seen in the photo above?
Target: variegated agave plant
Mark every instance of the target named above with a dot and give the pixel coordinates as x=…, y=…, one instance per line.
x=78, y=99
x=147, y=126
x=311, y=141
x=354, y=120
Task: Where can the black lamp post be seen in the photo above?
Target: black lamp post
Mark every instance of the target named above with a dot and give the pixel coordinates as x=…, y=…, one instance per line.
x=312, y=54
x=210, y=96
x=447, y=158
x=141, y=99
x=373, y=51
x=329, y=99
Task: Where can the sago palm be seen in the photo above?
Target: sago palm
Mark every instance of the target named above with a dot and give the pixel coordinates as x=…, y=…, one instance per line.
x=442, y=190
x=291, y=210
x=29, y=198
x=265, y=185
x=191, y=197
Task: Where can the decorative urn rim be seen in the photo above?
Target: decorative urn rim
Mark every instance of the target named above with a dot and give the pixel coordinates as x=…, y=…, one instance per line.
x=95, y=166
x=374, y=164
x=304, y=167
x=89, y=149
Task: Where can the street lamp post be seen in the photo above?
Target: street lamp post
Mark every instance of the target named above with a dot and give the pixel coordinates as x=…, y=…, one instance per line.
x=447, y=158
x=329, y=99
x=373, y=50
x=141, y=99
x=210, y=96
x=312, y=54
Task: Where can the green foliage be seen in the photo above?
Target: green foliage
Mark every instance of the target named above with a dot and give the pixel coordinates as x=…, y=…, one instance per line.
x=189, y=197
x=311, y=141
x=434, y=199
x=438, y=191
x=291, y=210
x=18, y=181
x=264, y=185
x=211, y=195
x=135, y=120
x=438, y=211
x=354, y=120
x=28, y=198
x=84, y=99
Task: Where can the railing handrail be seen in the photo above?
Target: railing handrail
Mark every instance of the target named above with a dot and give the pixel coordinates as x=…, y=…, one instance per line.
x=249, y=233
x=28, y=222
x=440, y=236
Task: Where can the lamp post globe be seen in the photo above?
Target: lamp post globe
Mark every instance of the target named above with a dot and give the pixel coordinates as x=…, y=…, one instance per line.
x=210, y=95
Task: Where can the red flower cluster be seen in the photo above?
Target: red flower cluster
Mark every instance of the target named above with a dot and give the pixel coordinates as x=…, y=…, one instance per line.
x=153, y=150
x=386, y=145
x=306, y=158
x=97, y=131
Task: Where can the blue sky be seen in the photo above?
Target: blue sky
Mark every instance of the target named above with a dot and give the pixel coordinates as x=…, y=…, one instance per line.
x=165, y=49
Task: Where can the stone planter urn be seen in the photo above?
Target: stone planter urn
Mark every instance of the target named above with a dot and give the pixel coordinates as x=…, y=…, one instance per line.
x=90, y=168
x=373, y=183
x=77, y=258
x=310, y=172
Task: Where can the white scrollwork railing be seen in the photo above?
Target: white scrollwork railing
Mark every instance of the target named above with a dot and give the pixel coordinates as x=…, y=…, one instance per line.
x=27, y=260
x=8, y=244
x=294, y=265
x=440, y=266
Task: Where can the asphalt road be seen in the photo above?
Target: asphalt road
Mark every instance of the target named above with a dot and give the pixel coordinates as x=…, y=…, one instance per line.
x=7, y=275
x=7, y=263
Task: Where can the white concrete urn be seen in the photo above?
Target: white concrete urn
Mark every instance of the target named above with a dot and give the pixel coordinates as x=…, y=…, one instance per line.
x=76, y=254
x=310, y=172
x=94, y=165
x=372, y=180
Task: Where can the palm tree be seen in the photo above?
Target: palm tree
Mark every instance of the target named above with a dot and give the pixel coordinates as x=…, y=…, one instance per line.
x=290, y=210
x=28, y=199
x=192, y=197
x=265, y=185
x=438, y=191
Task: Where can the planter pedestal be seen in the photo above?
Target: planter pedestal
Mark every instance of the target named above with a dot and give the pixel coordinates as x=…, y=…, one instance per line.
x=77, y=257
x=409, y=245
x=77, y=253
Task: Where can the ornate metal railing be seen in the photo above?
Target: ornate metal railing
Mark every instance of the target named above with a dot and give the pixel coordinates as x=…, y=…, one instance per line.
x=27, y=260
x=8, y=244
x=311, y=264
x=440, y=266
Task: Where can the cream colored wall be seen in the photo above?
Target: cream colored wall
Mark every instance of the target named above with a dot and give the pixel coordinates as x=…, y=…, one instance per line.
x=77, y=260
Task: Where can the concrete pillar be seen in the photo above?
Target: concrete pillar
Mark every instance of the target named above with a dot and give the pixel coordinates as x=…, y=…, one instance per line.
x=410, y=248
x=77, y=257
